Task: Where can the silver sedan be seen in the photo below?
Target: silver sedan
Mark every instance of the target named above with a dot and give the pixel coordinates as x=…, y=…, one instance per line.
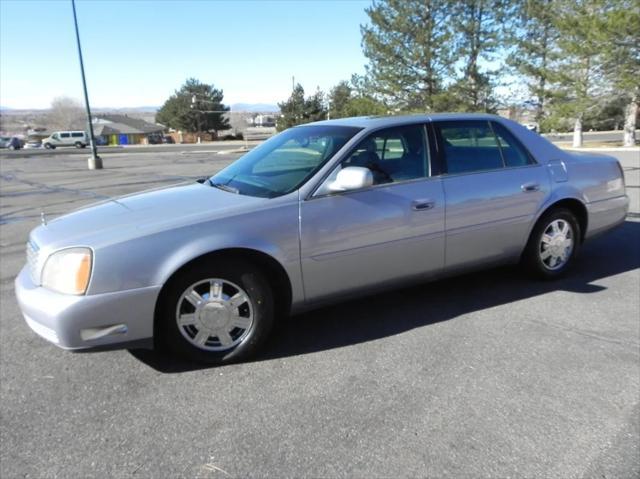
x=316, y=214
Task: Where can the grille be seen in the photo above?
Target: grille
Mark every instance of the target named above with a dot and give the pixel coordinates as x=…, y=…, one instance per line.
x=33, y=261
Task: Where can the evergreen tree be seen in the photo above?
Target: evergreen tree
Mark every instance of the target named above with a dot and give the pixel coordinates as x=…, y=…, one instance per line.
x=354, y=99
x=315, y=107
x=195, y=107
x=620, y=27
x=339, y=98
x=479, y=28
x=534, y=39
x=292, y=110
x=580, y=84
x=408, y=47
x=298, y=109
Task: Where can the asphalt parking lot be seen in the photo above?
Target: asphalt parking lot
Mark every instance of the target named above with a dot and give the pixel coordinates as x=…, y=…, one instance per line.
x=486, y=375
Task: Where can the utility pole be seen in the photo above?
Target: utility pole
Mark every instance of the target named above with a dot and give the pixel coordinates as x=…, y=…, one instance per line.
x=94, y=162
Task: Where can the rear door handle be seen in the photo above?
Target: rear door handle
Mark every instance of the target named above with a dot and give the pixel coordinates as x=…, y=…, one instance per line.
x=529, y=187
x=422, y=205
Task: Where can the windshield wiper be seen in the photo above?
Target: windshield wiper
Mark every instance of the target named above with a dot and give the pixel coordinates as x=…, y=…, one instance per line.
x=224, y=187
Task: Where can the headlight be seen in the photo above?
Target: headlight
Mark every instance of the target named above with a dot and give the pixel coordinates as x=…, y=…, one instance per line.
x=68, y=271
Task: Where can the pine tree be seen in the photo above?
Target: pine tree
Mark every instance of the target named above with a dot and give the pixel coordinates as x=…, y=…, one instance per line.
x=292, y=110
x=408, y=47
x=339, y=98
x=195, y=107
x=298, y=109
x=620, y=28
x=580, y=84
x=479, y=28
x=535, y=38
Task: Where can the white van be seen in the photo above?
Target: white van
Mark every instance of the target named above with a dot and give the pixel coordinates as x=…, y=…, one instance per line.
x=66, y=138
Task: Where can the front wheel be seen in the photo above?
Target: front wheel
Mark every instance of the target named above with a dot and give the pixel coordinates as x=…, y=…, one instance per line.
x=553, y=244
x=216, y=312
x=49, y=146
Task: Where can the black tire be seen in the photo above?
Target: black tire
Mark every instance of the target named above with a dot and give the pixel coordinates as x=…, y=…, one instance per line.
x=239, y=272
x=78, y=145
x=531, y=258
x=49, y=146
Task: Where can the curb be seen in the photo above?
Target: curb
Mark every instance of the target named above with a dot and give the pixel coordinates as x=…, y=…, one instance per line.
x=604, y=148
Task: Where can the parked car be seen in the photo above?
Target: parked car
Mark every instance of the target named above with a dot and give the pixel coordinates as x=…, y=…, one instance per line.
x=33, y=144
x=78, y=139
x=155, y=139
x=11, y=142
x=317, y=213
x=168, y=139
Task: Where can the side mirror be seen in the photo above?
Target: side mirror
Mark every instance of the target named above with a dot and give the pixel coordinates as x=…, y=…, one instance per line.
x=351, y=178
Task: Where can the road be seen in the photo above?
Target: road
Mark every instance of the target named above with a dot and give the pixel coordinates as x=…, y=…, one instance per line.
x=486, y=375
x=589, y=136
x=106, y=151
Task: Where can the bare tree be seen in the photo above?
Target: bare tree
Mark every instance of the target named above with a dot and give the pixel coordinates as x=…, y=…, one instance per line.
x=65, y=114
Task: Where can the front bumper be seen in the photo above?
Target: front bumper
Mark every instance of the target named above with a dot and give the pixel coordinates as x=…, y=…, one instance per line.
x=81, y=322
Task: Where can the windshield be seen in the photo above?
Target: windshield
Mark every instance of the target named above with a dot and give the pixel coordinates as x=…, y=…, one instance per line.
x=283, y=163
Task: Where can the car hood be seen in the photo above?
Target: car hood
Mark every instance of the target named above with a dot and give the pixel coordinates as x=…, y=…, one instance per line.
x=143, y=213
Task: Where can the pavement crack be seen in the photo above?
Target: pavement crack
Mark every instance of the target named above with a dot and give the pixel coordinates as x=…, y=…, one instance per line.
x=10, y=177
x=586, y=334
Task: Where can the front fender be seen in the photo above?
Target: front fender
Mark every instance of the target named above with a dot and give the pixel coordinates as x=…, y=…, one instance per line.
x=150, y=260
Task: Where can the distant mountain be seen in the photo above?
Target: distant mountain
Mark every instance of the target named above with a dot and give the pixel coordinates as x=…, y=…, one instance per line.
x=5, y=108
x=129, y=109
x=255, y=107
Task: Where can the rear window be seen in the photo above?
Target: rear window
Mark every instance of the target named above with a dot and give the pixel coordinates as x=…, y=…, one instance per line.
x=77, y=135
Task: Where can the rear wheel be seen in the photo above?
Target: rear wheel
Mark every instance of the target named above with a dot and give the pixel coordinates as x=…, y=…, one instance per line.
x=553, y=245
x=217, y=312
x=79, y=145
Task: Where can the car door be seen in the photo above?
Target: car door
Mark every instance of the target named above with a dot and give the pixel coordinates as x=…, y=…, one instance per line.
x=388, y=232
x=493, y=189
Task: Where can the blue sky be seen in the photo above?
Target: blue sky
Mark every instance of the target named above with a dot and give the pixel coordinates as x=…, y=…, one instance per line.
x=137, y=53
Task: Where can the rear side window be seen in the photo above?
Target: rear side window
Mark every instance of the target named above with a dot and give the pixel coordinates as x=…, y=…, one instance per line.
x=77, y=135
x=64, y=135
x=514, y=154
x=469, y=146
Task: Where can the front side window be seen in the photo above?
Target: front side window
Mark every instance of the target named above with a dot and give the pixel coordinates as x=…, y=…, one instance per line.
x=393, y=155
x=469, y=146
x=285, y=162
x=55, y=136
x=64, y=135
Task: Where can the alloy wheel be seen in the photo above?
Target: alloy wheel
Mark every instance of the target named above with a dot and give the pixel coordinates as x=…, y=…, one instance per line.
x=214, y=314
x=556, y=244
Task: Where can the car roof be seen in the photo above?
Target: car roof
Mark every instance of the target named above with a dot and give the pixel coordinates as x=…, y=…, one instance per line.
x=380, y=121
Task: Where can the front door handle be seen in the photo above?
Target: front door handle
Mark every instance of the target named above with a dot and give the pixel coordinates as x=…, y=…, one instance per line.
x=422, y=205
x=529, y=187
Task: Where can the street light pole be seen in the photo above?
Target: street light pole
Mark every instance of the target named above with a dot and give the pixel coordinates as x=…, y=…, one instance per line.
x=94, y=162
